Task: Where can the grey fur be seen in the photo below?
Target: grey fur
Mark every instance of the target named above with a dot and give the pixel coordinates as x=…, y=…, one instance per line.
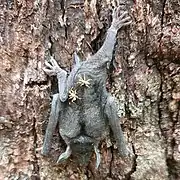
x=84, y=109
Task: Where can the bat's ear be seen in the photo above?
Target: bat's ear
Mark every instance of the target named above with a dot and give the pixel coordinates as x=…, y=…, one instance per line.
x=77, y=59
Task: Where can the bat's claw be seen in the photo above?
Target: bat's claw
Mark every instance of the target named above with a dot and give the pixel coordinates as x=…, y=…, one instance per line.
x=64, y=155
x=120, y=20
x=52, y=67
x=98, y=157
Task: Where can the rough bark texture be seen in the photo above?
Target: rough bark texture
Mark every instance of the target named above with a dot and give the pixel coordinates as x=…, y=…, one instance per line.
x=146, y=84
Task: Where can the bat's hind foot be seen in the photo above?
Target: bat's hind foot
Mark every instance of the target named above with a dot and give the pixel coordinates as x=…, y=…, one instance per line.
x=120, y=20
x=64, y=155
x=98, y=156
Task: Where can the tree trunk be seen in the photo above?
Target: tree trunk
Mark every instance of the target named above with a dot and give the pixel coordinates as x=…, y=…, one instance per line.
x=146, y=85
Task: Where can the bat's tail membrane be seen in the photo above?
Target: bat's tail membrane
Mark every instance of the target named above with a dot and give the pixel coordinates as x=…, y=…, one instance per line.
x=82, y=148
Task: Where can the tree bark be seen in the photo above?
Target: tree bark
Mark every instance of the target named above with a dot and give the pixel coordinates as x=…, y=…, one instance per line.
x=146, y=85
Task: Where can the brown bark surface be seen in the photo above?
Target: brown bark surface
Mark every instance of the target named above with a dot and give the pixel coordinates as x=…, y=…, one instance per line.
x=146, y=85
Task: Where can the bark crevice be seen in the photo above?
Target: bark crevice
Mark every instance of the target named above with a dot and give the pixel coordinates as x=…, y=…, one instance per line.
x=36, y=173
x=134, y=164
